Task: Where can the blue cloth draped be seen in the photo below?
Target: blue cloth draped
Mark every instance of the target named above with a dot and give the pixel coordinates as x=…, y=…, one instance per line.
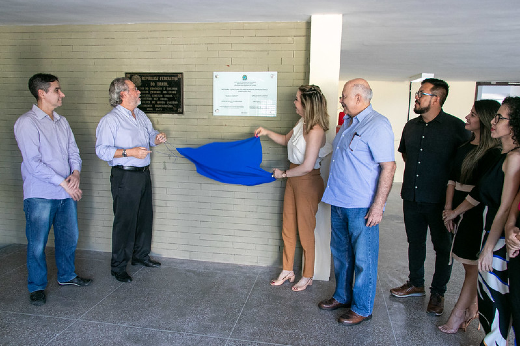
x=230, y=162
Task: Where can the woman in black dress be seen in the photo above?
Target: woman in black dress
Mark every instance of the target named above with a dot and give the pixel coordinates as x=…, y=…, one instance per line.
x=496, y=191
x=471, y=161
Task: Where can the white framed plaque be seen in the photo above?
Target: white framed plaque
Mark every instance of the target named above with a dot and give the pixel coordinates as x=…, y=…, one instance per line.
x=245, y=93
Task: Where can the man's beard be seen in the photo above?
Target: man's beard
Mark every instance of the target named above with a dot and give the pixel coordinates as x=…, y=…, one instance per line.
x=418, y=110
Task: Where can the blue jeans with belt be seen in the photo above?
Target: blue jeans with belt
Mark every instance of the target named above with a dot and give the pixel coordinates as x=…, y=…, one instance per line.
x=355, y=249
x=40, y=215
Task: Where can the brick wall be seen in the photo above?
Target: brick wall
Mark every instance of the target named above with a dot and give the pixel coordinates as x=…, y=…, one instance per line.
x=195, y=218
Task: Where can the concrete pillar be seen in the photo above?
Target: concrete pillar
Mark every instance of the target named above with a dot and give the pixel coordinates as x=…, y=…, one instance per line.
x=324, y=71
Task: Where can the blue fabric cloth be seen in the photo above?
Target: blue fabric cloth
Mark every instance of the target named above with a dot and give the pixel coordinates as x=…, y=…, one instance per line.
x=230, y=162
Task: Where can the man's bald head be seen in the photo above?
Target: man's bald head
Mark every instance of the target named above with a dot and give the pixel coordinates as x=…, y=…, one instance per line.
x=356, y=96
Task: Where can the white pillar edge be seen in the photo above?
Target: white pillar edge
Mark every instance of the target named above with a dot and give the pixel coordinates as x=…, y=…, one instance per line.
x=325, y=53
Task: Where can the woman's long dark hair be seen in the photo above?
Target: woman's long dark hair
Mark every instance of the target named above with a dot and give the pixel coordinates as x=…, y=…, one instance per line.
x=486, y=110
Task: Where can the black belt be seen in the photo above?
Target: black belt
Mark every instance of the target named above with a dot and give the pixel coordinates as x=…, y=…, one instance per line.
x=133, y=168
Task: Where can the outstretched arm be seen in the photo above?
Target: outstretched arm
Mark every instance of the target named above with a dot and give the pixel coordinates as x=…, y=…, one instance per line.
x=275, y=137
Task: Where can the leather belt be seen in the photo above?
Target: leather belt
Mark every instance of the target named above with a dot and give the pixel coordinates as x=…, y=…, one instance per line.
x=133, y=168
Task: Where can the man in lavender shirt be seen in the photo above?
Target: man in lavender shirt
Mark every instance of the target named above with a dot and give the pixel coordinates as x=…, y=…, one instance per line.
x=51, y=175
x=124, y=137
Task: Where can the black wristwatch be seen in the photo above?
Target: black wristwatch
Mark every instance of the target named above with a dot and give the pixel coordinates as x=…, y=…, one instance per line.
x=124, y=153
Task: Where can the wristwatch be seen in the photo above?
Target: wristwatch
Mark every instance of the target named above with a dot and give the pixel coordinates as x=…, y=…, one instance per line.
x=124, y=153
x=284, y=174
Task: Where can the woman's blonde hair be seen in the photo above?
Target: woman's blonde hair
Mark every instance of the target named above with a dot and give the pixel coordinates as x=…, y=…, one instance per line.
x=314, y=106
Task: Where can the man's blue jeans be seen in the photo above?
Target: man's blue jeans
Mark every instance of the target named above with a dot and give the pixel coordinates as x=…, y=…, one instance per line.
x=40, y=215
x=355, y=249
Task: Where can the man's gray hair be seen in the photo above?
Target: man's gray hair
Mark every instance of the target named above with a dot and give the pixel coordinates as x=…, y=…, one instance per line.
x=363, y=90
x=116, y=87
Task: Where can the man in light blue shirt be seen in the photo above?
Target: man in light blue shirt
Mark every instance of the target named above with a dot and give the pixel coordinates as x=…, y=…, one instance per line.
x=124, y=137
x=361, y=175
x=51, y=175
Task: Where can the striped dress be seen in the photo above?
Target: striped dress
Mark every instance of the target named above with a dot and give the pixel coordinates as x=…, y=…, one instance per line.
x=493, y=288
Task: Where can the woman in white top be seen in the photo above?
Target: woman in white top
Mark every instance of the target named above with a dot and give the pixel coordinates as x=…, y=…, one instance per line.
x=306, y=144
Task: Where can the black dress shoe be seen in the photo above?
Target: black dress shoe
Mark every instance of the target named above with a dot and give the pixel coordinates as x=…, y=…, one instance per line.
x=121, y=276
x=37, y=298
x=146, y=262
x=332, y=304
x=77, y=281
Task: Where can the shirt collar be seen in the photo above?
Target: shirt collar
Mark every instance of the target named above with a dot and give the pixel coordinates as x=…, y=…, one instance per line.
x=439, y=118
x=41, y=114
x=125, y=110
x=363, y=114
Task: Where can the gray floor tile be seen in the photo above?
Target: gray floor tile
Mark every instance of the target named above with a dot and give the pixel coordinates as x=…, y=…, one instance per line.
x=70, y=301
x=277, y=314
x=202, y=303
x=93, y=333
x=23, y=329
x=178, y=300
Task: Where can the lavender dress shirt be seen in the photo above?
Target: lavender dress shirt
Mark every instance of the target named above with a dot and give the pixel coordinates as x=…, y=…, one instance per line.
x=49, y=153
x=119, y=130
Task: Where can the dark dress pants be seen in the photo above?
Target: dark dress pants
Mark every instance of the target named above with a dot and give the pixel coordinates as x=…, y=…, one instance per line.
x=133, y=216
x=418, y=217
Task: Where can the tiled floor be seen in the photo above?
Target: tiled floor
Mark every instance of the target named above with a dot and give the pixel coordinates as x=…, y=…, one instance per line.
x=201, y=303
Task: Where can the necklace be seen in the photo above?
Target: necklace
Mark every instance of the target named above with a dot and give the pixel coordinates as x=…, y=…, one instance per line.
x=512, y=149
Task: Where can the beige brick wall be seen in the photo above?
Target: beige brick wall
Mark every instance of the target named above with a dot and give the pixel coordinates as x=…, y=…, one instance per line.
x=195, y=218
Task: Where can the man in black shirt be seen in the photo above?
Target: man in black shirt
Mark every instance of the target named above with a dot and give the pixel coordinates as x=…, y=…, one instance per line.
x=428, y=144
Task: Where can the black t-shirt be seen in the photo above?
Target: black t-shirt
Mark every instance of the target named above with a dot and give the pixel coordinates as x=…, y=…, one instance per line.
x=430, y=149
x=484, y=163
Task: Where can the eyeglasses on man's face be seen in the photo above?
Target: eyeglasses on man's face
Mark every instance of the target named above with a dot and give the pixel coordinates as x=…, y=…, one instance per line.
x=420, y=94
x=499, y=117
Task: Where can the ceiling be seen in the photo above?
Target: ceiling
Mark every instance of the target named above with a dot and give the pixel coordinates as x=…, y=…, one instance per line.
x=466, y=40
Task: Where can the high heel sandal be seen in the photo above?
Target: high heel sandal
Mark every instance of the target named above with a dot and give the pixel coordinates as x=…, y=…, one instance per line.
x=461, y=315
x=466, y=323
x=302, y=284
x=284, y=276
x=470, y=316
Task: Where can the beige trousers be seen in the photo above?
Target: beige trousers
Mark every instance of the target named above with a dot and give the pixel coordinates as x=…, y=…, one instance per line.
x=301, y=199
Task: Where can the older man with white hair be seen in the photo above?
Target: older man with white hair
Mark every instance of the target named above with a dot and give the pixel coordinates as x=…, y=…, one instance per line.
x=124, y=137
x=361, y=175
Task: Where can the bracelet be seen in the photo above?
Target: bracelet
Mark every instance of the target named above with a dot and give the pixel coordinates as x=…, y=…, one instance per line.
x=284, y=174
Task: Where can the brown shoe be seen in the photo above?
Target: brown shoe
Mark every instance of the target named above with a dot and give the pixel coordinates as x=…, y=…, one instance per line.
x=350, y=318
x=436, y=304
x=332, y=304
x=407, y=290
